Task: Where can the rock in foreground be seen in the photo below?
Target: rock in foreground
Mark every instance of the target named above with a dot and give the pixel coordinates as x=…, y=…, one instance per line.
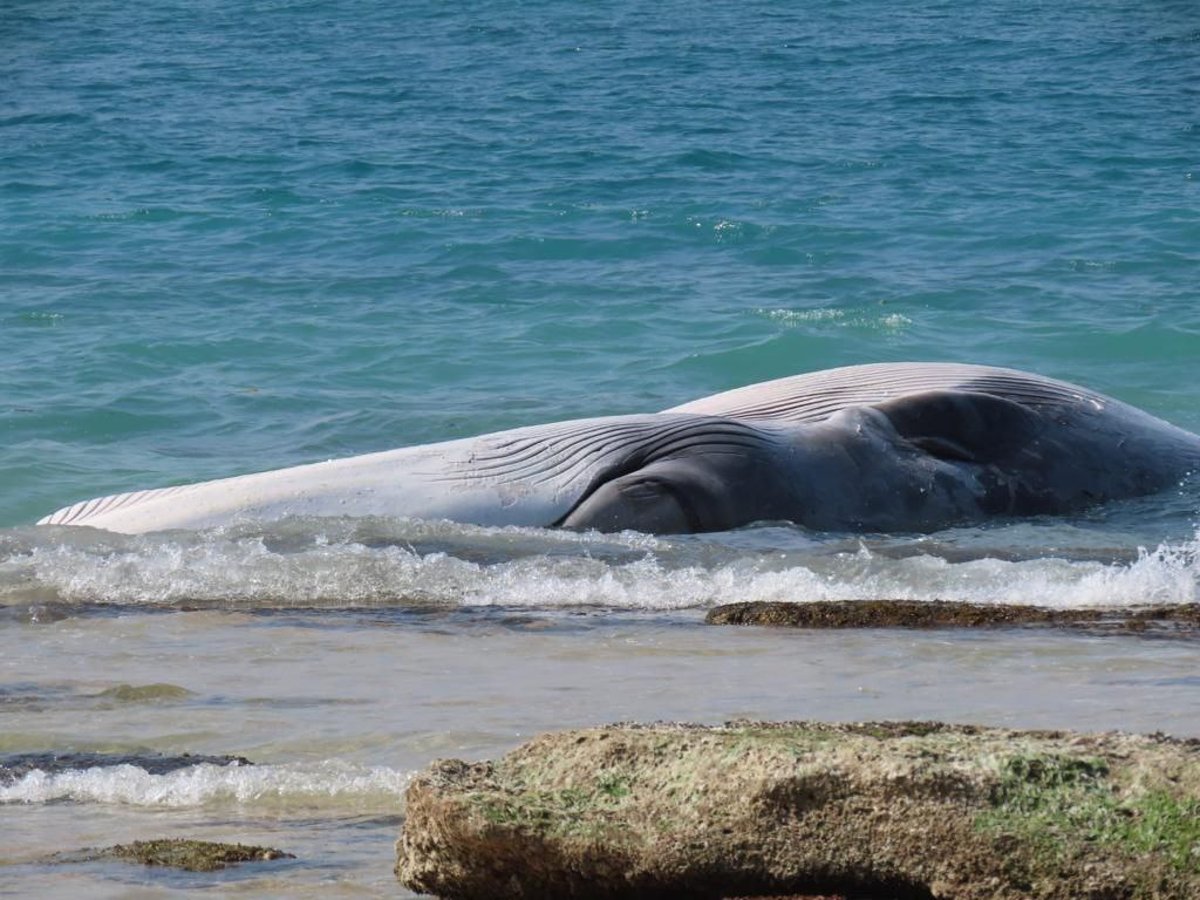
x=871, y=810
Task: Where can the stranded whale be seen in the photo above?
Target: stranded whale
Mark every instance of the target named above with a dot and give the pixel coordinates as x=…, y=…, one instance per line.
x=884, y=447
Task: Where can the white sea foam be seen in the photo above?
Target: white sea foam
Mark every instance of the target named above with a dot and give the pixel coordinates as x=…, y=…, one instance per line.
x=863, y=318
x=328, y=785
x=341, y=564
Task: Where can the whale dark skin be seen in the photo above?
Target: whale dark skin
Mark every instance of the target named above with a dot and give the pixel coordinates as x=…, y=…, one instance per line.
x=918, y=463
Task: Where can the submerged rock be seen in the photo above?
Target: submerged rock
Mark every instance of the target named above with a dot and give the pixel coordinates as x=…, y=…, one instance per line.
x=145, y=693
x=944, y=614
x=866, y=810
x=179, y=853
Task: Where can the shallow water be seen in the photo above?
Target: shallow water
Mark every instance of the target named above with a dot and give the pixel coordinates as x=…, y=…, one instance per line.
x=242, y=236
x=339, y=708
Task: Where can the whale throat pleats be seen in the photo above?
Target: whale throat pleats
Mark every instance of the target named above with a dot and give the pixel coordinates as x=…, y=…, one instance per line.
x=818, y=395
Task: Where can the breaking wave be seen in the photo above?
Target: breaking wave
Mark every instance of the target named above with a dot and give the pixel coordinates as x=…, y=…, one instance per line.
x=368, y=563
x=330, y=785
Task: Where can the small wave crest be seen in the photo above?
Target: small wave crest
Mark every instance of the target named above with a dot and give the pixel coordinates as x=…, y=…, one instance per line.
x=281, y=789
x=370, y=563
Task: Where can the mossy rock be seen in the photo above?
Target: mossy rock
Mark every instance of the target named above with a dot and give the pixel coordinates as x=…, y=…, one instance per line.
x=160, y=692
x=872, y=810
x=179, y=853
x=1182, y=619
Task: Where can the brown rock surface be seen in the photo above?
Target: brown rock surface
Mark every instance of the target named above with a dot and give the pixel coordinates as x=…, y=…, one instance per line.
x=867, y=810
x=178, y=853
x=1181, y=619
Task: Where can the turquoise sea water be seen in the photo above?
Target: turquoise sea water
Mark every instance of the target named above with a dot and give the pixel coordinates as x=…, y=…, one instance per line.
x=238, y=236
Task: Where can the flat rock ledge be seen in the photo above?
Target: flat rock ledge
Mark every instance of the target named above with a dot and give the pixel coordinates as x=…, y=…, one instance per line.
x=891, y=810
x=178, y=853
x=1181, y=619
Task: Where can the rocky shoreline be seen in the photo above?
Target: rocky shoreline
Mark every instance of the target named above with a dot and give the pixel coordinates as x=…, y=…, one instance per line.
x=873, y=810
x=785, y=810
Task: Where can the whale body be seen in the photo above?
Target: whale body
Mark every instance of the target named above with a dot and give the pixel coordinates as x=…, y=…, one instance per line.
x=882, y=447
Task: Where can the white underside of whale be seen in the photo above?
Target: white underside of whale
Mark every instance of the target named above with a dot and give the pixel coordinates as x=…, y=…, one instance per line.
x=525, y=476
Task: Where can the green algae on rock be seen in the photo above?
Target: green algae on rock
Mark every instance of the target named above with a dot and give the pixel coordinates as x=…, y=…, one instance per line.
x=871, y=810
x=1184, y=618
x=179, y=853
x=145, y=693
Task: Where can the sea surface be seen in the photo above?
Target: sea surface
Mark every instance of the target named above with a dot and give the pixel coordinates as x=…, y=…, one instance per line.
x=237, y=236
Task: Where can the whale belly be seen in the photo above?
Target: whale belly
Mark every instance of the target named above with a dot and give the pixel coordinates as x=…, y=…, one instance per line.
x=527, y=476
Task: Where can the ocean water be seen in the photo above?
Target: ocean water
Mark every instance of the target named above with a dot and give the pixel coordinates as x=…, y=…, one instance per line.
x=239, y=236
